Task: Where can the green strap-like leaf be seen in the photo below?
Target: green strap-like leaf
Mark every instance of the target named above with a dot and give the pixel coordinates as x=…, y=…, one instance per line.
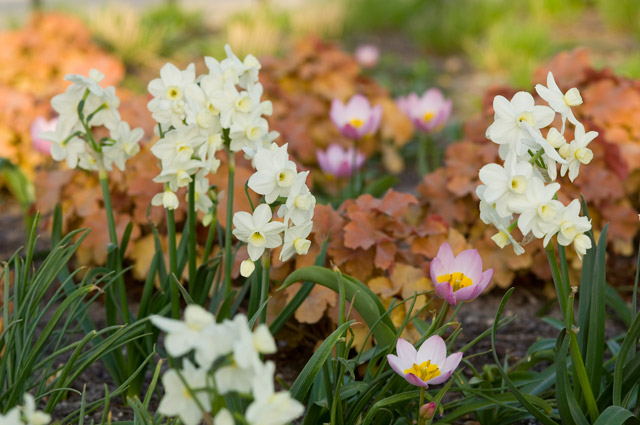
x=616, y=415
x=303, y=382
x=365, y=301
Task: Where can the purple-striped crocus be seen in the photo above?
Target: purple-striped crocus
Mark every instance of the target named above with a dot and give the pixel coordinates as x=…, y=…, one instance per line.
x=429, y=365
x=339, y=162
x=459, y=278
x=429, y=112
x=357, y=118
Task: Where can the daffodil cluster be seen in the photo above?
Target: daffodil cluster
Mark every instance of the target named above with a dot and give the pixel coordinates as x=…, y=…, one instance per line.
x=25, y=415
x=227, y=363
x=85, y=105
x=521, y=192
x=277, y=179
x=197, y=115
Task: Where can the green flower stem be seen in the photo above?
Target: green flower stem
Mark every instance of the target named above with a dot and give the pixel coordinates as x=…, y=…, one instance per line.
x=212, y=230
x=537, y=156
x=191, y=218
x=114, y=250
x=173, y=264
x=420, y=418
x=228, y=259
x=562, y=290
x=264, y=292
x=423, y=146
x=353, y=176
x=581, y=372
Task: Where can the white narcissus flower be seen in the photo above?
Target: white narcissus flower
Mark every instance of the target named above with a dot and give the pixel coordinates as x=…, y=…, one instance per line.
x=538, y=210
x=178, y=174
x=269, y=407
x=167, y=199
x=275, y=173
x=223, y=417
x=184, y=336
x=300, y=204
x=257, y=230
x=168, y=107
x=577, y=152
x=489, y=215
x=31, y=415
x=246, y=70
x=65, y=150
x=247, y=347
x=571, y=224
x=126, y=145
x=202, y=200
x=295, y=241
x=507, y=129
x=505, y=184
x=184, y=401
x=178, y=146
x=12, y=417
x=560, y=102
x=107, y=111
x=92, y=82
x=248, y=131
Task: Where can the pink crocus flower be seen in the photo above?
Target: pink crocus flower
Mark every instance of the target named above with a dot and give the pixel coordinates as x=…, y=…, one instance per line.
x=428, y=112
x=429, y=365
x=357, y=118
x=367, y=55
x=459, y=278
x=39, y=126
x=339, y=162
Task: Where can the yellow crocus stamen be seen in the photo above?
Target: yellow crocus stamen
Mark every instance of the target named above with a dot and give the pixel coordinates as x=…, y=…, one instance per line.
x=425, y=370
x=457, y=280
x=356, y=122
x=428, y=116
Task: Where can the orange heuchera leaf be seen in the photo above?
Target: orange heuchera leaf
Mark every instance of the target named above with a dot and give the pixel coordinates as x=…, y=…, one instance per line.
x=314, y=306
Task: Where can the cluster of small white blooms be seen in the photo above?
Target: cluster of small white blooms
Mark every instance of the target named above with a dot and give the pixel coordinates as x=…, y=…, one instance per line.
x=521, y=192
x=277, y=179
x=227, y=357
x=25, y=415
x=86, y=104
x=196, y=115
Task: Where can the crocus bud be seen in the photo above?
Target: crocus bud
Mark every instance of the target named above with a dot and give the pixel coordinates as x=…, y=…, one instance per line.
x=428, y=410
x=246, y=268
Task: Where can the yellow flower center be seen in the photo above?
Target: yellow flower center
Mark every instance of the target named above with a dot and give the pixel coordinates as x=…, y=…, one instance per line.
x=528, y=117
x=356, y=122
x=519, y=184
x=457, y=280
x=425, y=370
x=256, y=239
x=173, y=93
x=243, y=104
x=428, y=116
x=285, y=178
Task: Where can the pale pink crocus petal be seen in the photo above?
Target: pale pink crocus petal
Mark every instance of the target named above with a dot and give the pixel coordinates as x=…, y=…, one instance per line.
x=433, y=349
x=433, y=102
x=447, y=368
x=469, y=263
x=338, y=113
x=414, y=380
x=397, y=364
x=406, y=350
x=367, y=55
x=358, y=109
x=338, y=162
x=39, y=126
